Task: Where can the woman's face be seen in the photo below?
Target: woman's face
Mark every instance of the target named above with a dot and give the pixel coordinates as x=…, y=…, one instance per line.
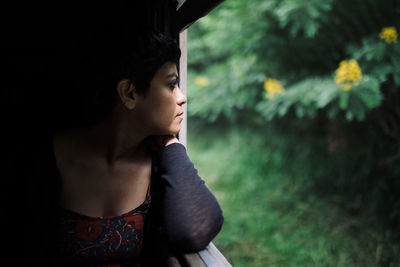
x=161, y=108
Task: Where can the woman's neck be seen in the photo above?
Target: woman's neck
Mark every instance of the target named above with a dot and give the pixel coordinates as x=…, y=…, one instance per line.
x=115, y=141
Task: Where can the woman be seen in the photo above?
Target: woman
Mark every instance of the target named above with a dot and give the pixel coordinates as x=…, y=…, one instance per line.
x=119, y=186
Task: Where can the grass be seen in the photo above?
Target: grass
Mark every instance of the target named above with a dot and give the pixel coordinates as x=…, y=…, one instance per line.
x=272, y=217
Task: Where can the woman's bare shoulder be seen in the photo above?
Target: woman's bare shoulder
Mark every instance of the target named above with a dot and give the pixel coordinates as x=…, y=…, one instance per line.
x=67, y=143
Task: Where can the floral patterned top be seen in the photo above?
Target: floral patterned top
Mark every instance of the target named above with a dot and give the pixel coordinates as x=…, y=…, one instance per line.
x=103, y=241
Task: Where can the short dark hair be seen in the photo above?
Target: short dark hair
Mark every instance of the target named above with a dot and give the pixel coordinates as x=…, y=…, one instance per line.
x=101, y=59
x=145, y=56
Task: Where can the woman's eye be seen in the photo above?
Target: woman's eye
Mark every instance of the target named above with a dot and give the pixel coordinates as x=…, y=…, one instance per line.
x=173, y=84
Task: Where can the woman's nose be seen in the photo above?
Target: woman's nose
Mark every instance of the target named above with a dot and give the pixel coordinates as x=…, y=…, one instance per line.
x=181, y=98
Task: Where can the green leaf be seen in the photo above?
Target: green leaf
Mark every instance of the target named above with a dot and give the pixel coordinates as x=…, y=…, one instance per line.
x=327, y=95
x=356, y=107
x=344, y=100
x=396, y=78
x=332, y=111
x=310, y=29
x=300, y=112
x=349, y=115
x=368, y=92
x=379, y=51
x=381, y=71
x=360, y=116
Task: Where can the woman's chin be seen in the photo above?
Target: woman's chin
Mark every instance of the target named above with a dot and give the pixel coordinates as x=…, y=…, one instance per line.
x=173, y=130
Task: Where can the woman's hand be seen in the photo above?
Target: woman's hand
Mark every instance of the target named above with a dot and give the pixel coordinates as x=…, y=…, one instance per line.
x=165, y=140
x=170, y=140
x=157, y=142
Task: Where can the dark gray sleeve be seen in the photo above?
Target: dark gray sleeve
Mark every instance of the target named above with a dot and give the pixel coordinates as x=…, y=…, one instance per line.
x=190, y=214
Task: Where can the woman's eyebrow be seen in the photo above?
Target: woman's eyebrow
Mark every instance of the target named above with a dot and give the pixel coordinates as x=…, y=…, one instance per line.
x=172, y=75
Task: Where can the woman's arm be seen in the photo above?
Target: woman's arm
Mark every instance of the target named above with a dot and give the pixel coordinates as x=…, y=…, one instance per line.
x=190, y=215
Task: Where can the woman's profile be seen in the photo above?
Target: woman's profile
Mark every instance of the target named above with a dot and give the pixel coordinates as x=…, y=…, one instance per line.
x=117, y=186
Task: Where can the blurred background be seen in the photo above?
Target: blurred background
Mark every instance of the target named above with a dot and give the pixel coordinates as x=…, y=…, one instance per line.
x=294, y=123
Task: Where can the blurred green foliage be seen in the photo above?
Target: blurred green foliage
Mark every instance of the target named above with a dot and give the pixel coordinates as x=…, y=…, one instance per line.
x=328, y=130
x=271, y=198
x=300, y=43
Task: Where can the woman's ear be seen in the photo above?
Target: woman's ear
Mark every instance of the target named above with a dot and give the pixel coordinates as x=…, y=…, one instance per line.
x=126, y=92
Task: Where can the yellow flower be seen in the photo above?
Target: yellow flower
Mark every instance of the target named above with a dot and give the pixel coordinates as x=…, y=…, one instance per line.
x=273, y=86
x=201, y=81
x=348, y=74
x=389, y=34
